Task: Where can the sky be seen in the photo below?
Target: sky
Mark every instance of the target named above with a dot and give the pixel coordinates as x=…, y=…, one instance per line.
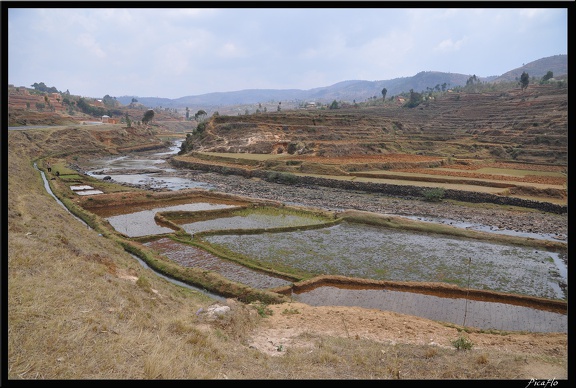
x=172, y=53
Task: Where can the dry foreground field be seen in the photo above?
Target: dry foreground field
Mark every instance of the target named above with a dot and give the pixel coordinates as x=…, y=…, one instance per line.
x=81, y=307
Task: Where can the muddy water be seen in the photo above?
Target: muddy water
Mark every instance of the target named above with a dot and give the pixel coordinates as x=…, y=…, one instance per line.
x=365, y=251
x=470, y=313
x=489, y=229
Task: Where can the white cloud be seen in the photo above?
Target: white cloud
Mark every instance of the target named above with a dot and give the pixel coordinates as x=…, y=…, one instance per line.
x=92, y=47
x=531, y=13
x=193, y=51
x=230, y=50
x=450, y=45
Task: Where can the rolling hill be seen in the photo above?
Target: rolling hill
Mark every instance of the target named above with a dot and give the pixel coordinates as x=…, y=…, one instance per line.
x=352, y=90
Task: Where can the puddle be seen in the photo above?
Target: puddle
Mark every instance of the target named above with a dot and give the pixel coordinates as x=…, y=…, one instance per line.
x=190, y=256
x=471, y=313
x=365, y=251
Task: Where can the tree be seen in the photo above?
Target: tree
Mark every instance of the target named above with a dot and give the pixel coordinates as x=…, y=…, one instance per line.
x=41, y=87
x=473, y=80
x=128, y=121
x=524, y=80
x=414, y=101
x=334, y=105
x=148, y=116
x=200, y=116
x=187, y=113
x=548, y=76
x=109, y=101
x=384, y=91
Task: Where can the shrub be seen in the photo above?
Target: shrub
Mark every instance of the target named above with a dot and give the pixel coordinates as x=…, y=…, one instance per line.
x=282, y=177
x=462, y=343
x=434, y=195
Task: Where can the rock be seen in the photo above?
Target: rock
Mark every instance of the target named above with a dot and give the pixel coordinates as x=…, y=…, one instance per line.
x=214, y=311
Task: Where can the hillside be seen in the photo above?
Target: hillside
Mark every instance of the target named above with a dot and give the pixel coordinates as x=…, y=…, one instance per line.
x=30, y=107
x=513, y=125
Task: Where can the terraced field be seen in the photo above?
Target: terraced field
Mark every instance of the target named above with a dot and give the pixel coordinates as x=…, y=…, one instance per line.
x=506, y=143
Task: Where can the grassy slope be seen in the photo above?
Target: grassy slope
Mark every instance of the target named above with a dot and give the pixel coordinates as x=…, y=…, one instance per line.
x=79, y=307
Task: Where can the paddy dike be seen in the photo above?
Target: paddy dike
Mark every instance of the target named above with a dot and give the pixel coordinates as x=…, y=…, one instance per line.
x=120, y=203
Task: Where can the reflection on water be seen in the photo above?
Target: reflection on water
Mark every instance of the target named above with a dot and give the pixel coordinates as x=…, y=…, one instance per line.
x=142, y=223
x=481, y=315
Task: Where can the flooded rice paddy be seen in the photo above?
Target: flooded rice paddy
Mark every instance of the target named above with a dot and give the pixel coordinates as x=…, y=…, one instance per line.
x=251, y=220
x=470, y=313
x=142, y=223
x=365, y=251
x=190, y=256
x=489, y=229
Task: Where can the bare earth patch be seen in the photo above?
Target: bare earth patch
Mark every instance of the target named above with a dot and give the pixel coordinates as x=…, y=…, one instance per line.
x=285, y=328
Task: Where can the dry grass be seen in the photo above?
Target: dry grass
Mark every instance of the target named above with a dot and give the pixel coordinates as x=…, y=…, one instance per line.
x=80, y=307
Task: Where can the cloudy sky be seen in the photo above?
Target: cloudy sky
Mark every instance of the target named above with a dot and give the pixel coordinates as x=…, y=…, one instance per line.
x=168, y=52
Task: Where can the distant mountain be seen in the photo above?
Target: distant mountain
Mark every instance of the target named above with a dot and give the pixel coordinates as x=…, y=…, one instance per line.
x=355, y=90
x=557, y=64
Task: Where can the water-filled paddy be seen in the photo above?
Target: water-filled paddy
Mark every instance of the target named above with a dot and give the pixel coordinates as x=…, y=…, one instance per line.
x=251, y=220
x=365, y=251
x=142, y=223
x=157, y=175
x=189, y=256
x=471, y=313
